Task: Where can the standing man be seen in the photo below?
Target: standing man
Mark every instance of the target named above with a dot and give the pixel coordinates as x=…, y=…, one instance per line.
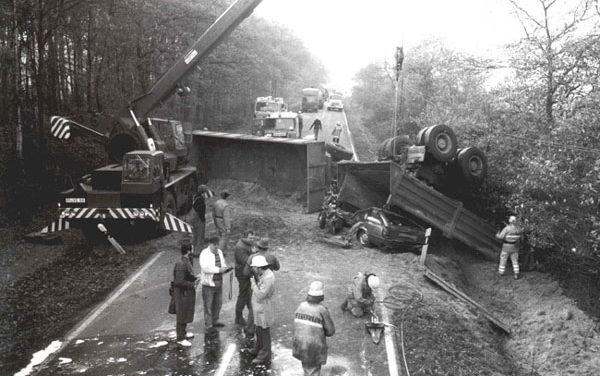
x=360, y=298
x=212, y=268
x=312, y=323
x=263, y=287
x=259, y=249
x=222, y=218
x=300, y=124
x=337, y=131
x=184, y=292
x=199, y=216
x=242, y=250
x=511, y=239
x=316, y=126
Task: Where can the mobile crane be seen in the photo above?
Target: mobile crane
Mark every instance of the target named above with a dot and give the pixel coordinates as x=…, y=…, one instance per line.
x=149, y=180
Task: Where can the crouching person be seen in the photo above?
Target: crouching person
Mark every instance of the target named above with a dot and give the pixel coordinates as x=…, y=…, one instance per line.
x=360, y=298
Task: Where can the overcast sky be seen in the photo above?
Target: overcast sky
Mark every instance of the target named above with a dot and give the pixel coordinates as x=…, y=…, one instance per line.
x=348, y=34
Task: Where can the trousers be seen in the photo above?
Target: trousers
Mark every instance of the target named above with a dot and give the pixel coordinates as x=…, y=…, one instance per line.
x=212, y=298
x=244, y=300
x=199, y=225
x=311, y=369
x=262, y=345
x=514, y=258
x=180, y=330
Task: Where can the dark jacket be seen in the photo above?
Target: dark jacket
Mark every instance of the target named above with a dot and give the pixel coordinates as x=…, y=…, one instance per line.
x=199, y=206
x=271, y=260
x=241, y=253
x=312, y=323
x=316, y=124
x=184, y=290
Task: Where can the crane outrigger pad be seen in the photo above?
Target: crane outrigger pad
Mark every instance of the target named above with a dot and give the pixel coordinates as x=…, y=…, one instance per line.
x=172, y=223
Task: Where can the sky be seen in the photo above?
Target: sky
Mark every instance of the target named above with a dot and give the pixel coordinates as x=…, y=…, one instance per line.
x=346, y=35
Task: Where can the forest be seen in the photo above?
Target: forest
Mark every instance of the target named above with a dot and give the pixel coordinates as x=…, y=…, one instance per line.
x=87, y=58
x=536, y=115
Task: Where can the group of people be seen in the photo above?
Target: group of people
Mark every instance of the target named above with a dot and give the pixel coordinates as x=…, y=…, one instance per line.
x=317, y=126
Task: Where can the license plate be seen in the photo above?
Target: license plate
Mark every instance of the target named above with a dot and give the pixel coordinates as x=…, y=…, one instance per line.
x=279, y=134
x=75, y=200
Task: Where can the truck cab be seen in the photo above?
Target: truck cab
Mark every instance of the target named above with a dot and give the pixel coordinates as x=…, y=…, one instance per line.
x=264, y=106
x=279, y=124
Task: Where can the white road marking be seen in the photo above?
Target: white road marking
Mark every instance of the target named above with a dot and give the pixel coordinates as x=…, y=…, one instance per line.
x=96, y=312
x=390, y=344
x=350, y=137
x=226, y=360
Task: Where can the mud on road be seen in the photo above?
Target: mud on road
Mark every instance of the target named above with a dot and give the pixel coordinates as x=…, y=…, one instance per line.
x=441, y=335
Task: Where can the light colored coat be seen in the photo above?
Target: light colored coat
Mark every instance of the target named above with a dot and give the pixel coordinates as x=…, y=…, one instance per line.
x=222, y=215
x=262, y=294
x=511, y=238
x=208, y=267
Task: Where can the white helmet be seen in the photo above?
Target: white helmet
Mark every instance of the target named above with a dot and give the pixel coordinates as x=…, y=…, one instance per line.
x=316, y=289
x=512, y=219
x=372, y=281
x=259, y=261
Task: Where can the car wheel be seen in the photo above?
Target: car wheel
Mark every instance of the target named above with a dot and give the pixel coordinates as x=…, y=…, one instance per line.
x=363, y=238
x=322, y=220
x=472, y=163
x=441, y=142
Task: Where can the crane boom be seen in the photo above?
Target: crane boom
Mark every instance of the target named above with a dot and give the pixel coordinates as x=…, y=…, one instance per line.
x=210, y=39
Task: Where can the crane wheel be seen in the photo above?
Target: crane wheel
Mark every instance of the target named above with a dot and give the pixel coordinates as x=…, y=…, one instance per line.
x=169, y=205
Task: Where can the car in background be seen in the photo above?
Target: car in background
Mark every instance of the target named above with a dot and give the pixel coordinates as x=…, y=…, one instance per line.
x=335, y=105
x=381, y=228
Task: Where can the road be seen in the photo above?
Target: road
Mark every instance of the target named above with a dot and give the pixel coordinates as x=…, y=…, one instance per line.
x=329, y=119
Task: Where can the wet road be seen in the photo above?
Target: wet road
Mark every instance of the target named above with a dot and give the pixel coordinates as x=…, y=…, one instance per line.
x=328, y=119
x=134, y=335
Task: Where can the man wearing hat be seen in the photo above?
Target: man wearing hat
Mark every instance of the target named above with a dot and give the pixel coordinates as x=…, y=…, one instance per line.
x=263, y=287
x=242, y=250
x=199, y=215
x=511, y=242
x=260, y=248
x=312, y=323
x=222, y=217
x=360, y=298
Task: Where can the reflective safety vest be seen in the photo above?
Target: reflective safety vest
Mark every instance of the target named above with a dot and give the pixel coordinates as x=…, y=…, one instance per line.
x=511, y=237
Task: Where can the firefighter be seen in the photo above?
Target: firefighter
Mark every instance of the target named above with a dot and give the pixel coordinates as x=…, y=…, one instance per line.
x=312, y=323
x=360, y=298
x=263, y=288
x=337, y=132
x=316, y=126
x=222, y=218
x=511, y=241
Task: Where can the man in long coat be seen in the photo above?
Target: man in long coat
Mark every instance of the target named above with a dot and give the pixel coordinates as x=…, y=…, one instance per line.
x=242, y=250
x=184, y=293
x=263, y=287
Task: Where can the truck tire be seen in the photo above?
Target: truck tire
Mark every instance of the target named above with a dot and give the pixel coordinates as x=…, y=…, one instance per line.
x=472, y=163
x=169, y=205
x=440, y=141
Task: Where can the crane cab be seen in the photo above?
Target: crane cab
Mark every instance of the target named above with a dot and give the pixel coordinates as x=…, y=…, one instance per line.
x=142, y=172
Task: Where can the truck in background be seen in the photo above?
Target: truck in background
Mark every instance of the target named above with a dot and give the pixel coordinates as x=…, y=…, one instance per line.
x=312, y=99
x=278, y=124
x=263, y=106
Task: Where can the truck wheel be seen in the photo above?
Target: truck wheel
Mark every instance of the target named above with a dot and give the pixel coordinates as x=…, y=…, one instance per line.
x=472, y=163
x=440, y=141
x=322, y=220
x=169, y=205
x=363, y=238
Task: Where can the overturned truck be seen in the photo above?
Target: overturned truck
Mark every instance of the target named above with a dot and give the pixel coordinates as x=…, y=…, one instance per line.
x=403, y=182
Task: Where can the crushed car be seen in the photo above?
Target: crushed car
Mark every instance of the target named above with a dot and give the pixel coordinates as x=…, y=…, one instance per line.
x=382, y=228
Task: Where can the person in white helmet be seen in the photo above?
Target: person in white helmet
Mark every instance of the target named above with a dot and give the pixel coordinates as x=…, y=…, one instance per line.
x=361, y=297
x=263, y=288
x=312, y=323
x=511, y=242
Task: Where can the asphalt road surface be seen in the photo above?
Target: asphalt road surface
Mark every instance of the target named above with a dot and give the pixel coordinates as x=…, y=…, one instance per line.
x=329, y=119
